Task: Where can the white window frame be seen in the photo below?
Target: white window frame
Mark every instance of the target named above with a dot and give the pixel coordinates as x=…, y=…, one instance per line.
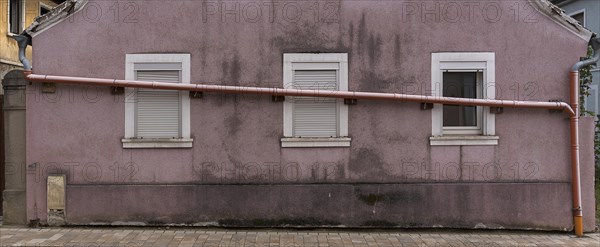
x=22, y=20
x=463, y=61
x=579, y=12
x=316, y=61
x=129, y=140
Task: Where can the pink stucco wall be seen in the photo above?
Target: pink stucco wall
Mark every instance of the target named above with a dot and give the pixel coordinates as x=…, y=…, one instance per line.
x=78, y=130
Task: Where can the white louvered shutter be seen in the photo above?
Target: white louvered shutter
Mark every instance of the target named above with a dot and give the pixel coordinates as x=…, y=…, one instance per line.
x=158, y=112
x=315, y=117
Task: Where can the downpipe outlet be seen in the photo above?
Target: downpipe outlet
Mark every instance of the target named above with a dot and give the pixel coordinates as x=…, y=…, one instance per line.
x=23, y=41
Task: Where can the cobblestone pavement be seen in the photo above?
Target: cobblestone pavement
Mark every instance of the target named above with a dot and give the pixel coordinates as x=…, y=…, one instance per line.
x=133, y=237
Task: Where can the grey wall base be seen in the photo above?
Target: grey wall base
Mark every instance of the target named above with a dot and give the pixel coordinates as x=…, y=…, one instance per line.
x=14, y=195
x=454, y=205
x=14, y=212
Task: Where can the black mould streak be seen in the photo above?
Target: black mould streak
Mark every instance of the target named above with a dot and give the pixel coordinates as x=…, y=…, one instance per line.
x=397, y=50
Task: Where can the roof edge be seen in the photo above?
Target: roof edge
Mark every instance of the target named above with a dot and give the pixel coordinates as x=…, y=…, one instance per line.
x=69, y=7
x=55, y=16
x=558, y=15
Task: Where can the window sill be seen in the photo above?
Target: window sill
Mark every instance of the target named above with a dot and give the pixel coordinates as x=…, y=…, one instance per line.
x=157, y=143
x=463, y=140
x=293, y=142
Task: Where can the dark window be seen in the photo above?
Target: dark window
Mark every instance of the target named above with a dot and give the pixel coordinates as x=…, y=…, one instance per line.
x=44, y=10
x=460, y=85
x=580, y=17
x=15, y=17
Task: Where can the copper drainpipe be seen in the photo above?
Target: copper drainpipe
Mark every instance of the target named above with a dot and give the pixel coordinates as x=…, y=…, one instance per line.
x=575, y=167
x=575, y=170
x=352, y=95
x=300, y=92
x=572, y=110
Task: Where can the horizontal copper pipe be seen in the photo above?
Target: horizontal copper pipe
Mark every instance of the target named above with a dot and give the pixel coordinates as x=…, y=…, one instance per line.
x=300, y=92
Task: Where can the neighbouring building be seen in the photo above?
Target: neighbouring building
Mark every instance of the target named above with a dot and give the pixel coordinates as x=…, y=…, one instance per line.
x=586, y=12
x=15, y=15
x=136, y=156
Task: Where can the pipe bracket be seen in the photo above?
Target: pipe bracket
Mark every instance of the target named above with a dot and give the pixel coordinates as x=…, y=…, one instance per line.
x=196, y=95
x=426, y=106
x=350, y=101
x=496, y=110
x=48, y=87
x=117, y=90
x=277, y=98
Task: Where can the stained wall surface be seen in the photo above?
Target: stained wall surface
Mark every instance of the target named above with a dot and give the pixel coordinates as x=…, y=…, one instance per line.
x=238, y=174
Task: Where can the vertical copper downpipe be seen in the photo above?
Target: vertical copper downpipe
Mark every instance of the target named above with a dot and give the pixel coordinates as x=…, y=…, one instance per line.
x=575, y=170
x=575, y=165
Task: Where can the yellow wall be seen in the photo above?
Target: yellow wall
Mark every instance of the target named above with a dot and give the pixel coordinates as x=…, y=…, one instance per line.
x=8, y=46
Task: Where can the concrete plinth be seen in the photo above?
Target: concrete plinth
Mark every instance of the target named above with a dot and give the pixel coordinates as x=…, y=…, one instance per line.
x=14, y=203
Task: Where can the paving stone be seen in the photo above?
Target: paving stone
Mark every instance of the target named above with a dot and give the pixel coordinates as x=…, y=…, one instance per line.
x=177, y=237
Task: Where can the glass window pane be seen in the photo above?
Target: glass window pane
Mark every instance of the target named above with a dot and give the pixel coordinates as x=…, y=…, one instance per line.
x=15, y=16
x=460, y=85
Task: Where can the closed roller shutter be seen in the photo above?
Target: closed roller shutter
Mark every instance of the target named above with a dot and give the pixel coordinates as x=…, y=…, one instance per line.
x=158, y=112
x=315, y=117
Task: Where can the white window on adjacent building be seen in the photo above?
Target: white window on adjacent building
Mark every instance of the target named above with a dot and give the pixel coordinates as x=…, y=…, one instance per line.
x=463, y=75
x=579, y=16
x=157, y=118
x=309, y=121
x=16, y=13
